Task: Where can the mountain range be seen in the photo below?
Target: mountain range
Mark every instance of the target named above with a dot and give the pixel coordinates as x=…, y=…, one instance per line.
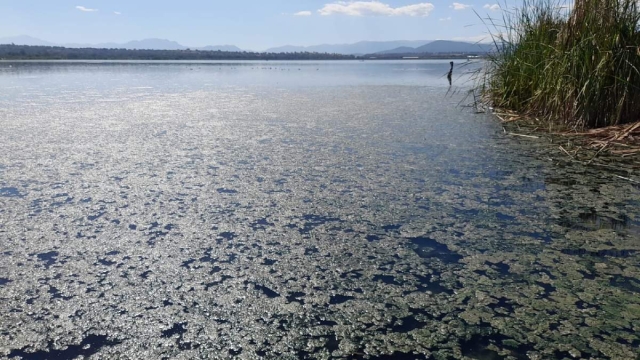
x=442, y=46
x=359, y=48
x=362, y=47
x=146, y=44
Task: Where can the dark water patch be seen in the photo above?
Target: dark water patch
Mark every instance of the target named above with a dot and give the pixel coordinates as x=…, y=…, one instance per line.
x=395, y=356
x=187, y=263
x=468, y=213
x=407, y=324
x=548, y=288
x=106, y=262
x=332, y=344
x=95, y=217
x=324, y=322
x=265, y=290
x=223, y=278
x=500, y=267
x=226, y=191
x=49, y=258
x=503, y=305
x=114, y=252
x=133, y=226
x=311, y=250
x=625, y=282
x=207, y=256
x=115, y=221
x=267, y=261
x=56, y=294
x=169, y=227
x=89, y=346
x=562, y=355
x=177, y=329
x=387, y=279
x=145, y=275
x=339, y=299
x=372, y=238
x=230, y=259
x=235, y=352
x=312, y=221
x=477, y=347
x=352, y=274
x=227, y=235
x=546, y=272
x=618, y=253
x=261, y=224
x=505, y=217
x=428, y=284
x=10, y=192
x=4, y=281
x=584, y=305
x=296, y=296
x=392, y=227
x=428, y=248
x=155, y=235
x=587, y=275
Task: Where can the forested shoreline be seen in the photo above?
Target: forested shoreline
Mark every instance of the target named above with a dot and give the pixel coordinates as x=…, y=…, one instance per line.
x=25, y=52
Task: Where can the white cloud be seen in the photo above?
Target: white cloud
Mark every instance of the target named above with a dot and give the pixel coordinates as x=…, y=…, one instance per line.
x=82, y=8
x=445, y=19
x=302, y=13
x=363, y=8
x=459, y=6
x=117, y=12
x=492, y=7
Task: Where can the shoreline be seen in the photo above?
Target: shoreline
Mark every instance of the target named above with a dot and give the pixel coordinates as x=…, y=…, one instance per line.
x=613, y=147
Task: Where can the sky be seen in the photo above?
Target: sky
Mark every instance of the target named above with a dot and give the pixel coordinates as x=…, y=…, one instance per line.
x=248, y=24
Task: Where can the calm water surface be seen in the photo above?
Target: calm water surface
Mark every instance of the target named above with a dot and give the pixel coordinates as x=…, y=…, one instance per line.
x=298, y=210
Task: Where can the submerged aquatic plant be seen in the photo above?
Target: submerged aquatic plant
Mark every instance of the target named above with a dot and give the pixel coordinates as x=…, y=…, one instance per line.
x=571, y=67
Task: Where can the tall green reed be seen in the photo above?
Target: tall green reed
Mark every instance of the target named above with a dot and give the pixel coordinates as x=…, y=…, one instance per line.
x=575, y=68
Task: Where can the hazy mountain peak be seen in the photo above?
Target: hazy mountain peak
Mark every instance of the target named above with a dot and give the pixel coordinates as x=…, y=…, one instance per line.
x=24, y=40
x=360, y=47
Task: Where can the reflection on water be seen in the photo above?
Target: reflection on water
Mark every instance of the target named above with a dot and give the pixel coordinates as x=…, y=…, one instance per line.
x=326, y=210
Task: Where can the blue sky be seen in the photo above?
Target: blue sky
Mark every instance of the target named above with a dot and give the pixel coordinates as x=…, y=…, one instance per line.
x=249, y=24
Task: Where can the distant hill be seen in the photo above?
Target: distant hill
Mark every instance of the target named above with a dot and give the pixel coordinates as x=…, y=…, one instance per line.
x=446, y=46
x=443, y=46
x=24, y=40
x=362, y=47
x=399, y=50
x=146, y=44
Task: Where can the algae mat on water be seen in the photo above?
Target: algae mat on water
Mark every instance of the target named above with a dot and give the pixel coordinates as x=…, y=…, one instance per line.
x=259, y=224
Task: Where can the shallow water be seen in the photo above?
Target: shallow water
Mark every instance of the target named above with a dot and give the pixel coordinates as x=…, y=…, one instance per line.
x=322, y=210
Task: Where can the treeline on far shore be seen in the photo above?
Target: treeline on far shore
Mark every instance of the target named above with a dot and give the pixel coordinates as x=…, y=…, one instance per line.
x=25, y=52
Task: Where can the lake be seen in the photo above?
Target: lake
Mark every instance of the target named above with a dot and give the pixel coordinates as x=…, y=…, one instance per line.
x=299, y=210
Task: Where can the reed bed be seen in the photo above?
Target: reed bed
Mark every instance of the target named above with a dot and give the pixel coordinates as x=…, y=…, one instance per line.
x=570, y=69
